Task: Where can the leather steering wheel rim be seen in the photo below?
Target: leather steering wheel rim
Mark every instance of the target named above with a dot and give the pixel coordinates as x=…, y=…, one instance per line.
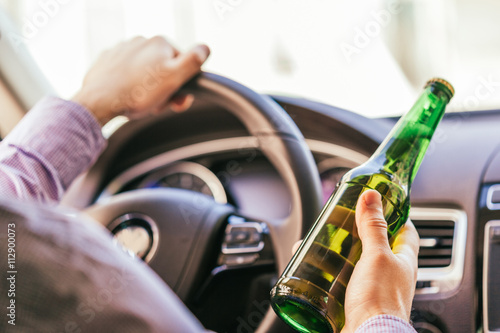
x=281, y=141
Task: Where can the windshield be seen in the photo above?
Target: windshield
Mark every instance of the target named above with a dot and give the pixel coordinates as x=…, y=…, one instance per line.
x=371, y=57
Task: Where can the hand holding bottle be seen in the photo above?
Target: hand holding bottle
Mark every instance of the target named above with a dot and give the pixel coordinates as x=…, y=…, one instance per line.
x=311, y=293
x=383, y=281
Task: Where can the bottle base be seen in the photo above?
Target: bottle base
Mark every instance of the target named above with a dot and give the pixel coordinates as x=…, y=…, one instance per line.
x=305, y=307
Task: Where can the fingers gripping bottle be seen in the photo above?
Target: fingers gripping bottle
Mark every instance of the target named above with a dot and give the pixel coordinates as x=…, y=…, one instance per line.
x=309, y=296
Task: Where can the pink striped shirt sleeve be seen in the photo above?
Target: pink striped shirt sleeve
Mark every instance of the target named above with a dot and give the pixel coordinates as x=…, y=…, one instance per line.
x=55, y=142
x=385, y=324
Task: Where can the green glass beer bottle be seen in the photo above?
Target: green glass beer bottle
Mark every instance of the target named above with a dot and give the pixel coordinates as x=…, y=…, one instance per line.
x=309, y=296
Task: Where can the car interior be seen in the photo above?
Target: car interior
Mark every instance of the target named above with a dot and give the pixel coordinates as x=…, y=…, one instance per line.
x=214, y=198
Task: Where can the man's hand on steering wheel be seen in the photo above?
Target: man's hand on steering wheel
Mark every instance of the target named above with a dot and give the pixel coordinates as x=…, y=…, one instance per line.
x=138, y=77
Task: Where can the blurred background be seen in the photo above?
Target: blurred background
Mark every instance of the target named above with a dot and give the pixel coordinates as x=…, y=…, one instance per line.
x=370, y=57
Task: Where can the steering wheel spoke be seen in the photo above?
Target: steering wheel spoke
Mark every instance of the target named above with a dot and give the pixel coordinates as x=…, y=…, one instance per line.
x=246, y=243
x=187, y=228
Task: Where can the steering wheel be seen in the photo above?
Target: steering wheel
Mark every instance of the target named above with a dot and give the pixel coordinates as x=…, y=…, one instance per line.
x=189, y=223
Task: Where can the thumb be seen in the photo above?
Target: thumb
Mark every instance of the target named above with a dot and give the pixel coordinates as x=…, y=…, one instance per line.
x=372, y=227
x=189, y=63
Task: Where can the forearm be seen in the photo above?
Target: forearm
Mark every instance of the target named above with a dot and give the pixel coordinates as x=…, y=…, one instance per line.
x=385, y=324
x=55, y=142
x=58, y=140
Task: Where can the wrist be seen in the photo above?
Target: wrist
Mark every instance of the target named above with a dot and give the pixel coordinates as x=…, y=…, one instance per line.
x=95, y=103
x=357, y=319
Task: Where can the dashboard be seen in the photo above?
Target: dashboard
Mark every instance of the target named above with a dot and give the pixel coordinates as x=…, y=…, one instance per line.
x=249, y=183
x=207, y=150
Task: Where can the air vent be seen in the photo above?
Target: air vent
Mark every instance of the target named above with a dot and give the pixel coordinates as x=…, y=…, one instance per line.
x=441, y=258
x=436, y=242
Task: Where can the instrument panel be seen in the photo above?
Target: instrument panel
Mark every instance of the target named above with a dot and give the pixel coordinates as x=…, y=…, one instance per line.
x=202, y=175
x=188, y=176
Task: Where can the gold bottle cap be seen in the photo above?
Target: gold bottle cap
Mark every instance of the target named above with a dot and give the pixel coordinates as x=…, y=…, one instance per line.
x=449, y=90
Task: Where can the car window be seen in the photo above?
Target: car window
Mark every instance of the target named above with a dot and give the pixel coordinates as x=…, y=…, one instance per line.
x=371, y=57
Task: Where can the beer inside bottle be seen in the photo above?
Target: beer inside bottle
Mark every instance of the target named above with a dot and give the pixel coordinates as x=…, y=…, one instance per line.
x=309, y=296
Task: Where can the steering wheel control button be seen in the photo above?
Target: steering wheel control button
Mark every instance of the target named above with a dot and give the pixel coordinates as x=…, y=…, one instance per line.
x=245, y=243
x=242, y=236
x=246, y=237
x=237, y=260
x=137, y=233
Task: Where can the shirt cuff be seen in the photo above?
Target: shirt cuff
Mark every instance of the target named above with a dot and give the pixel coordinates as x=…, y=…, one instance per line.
x=65, y=133
x=385, y=324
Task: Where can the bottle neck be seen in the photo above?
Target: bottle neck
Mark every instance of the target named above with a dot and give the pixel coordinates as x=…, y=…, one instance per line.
x=402, y=151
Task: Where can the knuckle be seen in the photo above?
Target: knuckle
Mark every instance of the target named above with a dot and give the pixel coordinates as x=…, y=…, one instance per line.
x=375, y=222
x=138, y=39
x=195, y=61
x=158, y=40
